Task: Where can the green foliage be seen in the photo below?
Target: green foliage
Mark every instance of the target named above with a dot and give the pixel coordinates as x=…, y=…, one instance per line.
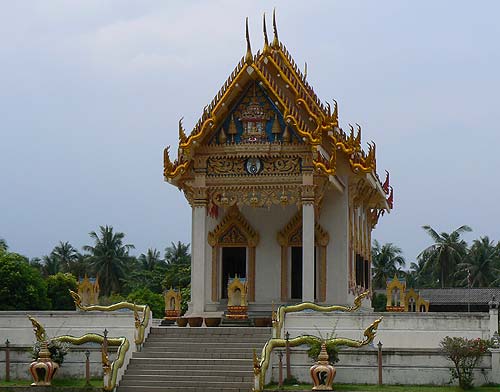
x=108, y=257
x=58, y=350
x=379, y=301
x=386, y=261
x=58, y=287
x=177, y=254
x=112, y=299
x=144, y=278
x=447, y=251
x=185, y=298
x=464, y=353
x=21, y=286
x=145, y=296
x=331, y=349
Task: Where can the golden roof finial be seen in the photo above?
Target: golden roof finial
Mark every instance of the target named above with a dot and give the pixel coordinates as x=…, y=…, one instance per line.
x=305, y=70
x=248, y=56
x=276, y=42
x=266, y=49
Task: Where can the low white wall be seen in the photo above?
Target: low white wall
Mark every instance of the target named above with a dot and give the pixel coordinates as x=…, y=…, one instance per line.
x=414, y=366
x=16, y=327
x=397, y=330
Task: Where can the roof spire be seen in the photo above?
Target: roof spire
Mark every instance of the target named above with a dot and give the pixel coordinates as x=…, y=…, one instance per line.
x=305, y=70
x=276, y=42
x=266, y=42
x=248, y=56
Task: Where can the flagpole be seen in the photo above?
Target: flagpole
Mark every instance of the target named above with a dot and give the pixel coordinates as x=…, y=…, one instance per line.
x=468, y=291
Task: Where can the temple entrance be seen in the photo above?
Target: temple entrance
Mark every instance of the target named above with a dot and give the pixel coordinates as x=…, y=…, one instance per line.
x=234, y=262
x=296, y=279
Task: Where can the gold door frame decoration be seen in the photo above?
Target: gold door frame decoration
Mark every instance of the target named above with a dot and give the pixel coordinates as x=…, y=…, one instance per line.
x=418, y=300
x=291, y=235
x=233, y=231
x=395, y=288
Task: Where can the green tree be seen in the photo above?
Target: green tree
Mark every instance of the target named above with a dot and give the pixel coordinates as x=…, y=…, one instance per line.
x=51, y=265
x=177, y=254
x=65, y=254
x=3, y=246
x=108, y=258
x=379, y=301
x=447, y=251
x=150, y=259
x=58, y=287
x=21, y=286
x=482, y=262
x=386, y=261
x=145, y=296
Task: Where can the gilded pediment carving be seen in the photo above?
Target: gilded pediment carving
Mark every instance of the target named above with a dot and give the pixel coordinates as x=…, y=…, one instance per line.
x=234, y=230
x=291, y=234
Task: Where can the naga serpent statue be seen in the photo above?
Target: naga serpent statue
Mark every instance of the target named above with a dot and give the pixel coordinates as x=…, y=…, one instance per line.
x=140, y=325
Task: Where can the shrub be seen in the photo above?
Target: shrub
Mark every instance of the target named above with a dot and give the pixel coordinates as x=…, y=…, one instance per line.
x=464, y=353
x=57, y=349
x=331, y=349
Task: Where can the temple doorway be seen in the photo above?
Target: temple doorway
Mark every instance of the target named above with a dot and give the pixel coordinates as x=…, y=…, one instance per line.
x=296, y=279
x=296, y=287
x=234, y=262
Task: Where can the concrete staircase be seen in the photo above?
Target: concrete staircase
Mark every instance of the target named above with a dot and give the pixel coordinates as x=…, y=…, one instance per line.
x=195, y=359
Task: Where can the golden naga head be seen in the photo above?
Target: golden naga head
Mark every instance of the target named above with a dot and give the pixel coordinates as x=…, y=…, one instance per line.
x=38, y=329
x=76, y=297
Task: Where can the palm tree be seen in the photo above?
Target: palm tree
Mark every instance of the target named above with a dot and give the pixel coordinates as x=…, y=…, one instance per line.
x=150, y=259
x=177, y=254
x=51, y=265
x=420, y=277
x=445, y=253
x=66, y=254
x=481, y=263
x=108, y=257
x=3, y=246
x=386, y=261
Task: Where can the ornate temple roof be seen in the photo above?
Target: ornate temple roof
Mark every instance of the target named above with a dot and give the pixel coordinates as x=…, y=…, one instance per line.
x=296, y=113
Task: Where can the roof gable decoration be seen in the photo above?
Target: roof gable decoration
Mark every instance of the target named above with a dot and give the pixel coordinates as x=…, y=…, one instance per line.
x=275, y=71
x=254, y=119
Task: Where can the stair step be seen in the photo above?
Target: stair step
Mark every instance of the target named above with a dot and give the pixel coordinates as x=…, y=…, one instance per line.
x=195, y=359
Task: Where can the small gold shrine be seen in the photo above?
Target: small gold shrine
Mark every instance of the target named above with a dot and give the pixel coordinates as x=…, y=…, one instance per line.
x=88, y=290
x=237, y=304
x=172, y=304
x=400, y=300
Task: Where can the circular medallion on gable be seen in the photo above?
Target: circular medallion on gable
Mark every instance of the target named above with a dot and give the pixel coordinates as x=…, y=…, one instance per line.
x=253, y=165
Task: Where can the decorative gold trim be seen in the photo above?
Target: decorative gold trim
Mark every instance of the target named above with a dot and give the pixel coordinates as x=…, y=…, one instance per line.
x=234, y=218
x=139, y=324
x=121, y=342
x=282, y=310
x=261, y=366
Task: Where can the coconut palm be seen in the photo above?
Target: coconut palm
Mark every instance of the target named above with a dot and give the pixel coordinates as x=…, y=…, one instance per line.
x=447, y=251
x=108, y=257
x=150, y=259
x=386, y=261
x=3, y=245
x=51, y=265
x=177, y=254
x=66, y=254
x=480, y=267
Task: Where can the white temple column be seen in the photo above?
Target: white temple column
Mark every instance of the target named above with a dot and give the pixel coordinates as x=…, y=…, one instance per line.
x=308, y=251
x=199, y=238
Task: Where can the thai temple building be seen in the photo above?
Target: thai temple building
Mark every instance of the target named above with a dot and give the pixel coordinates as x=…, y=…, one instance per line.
x=282, y=197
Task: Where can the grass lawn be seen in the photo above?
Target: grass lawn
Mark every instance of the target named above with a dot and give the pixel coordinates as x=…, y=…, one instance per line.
x=65, y=382
x=385, y=388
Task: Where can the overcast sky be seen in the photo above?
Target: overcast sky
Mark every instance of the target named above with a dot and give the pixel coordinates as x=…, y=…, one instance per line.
x=91, y=92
